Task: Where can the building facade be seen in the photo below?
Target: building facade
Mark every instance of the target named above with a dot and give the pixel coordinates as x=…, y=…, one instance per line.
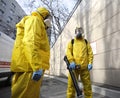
x=100, y=20
x=10, y=14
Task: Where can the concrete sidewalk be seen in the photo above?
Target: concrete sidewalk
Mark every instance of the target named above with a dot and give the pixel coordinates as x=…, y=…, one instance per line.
x=97, y=89
x=54, y=87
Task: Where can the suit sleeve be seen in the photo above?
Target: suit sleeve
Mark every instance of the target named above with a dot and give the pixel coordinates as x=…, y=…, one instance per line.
x=69, y=52
x=32, y=41
x=90, y=54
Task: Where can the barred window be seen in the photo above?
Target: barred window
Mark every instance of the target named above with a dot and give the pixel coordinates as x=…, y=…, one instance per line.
x=12, y=11
x=3, y=3
x=1, y=12
x=13, y=5
x=9, y=19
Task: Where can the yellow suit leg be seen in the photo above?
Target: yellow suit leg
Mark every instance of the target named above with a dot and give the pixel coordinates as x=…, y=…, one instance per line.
x=70, y=89
x=24, y=87
x=85, y=77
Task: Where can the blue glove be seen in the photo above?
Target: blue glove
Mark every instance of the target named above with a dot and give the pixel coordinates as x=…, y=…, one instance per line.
x=72, y=65
x=89, y=67
x=37, y=75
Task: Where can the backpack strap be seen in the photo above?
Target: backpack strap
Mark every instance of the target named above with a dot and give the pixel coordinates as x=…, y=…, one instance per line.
x=72, y=41
x=86, y=45
x=86, y=41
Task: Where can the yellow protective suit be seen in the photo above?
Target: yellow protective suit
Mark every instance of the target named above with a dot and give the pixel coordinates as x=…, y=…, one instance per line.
x=31, y=52
x=82, y=55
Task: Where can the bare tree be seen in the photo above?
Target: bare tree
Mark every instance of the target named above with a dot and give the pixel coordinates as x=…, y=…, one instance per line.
x=59, y=12
x=59, y=17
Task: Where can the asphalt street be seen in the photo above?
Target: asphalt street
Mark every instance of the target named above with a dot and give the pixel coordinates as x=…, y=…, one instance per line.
x=51, y=88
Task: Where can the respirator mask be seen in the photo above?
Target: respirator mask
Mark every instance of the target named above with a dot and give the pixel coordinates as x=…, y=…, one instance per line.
x=47, y=22
x=78, y=33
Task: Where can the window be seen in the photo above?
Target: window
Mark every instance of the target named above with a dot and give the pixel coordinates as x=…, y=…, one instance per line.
x=3, y=3
x=1, y=12
x=19, y=17
x=12, y=11
x=9, y=19
x=13, y=5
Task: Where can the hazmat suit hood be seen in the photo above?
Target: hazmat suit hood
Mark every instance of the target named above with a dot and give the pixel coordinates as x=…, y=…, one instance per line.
x=42, y=11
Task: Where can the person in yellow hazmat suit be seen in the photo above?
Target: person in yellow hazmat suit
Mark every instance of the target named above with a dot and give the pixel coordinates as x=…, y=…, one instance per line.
x=79, y=52
x=31, y=54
